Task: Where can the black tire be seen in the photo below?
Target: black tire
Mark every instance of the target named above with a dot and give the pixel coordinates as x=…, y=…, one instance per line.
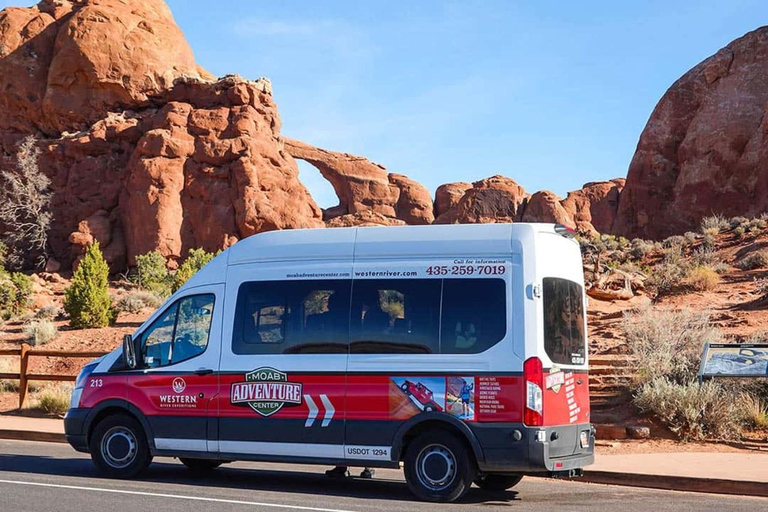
x=439, y=467
x=497, y=482
x=200, y=465
x=119, y=447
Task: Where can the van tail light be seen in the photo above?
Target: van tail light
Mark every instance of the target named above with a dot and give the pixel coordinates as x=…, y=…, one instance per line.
x=533, y=375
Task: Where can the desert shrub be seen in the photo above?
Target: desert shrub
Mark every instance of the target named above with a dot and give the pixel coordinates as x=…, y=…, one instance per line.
x=49, y=312
x=708, y=241
x=666, y=277
x=15, y=294
x=761, y=287
x=690, y=237
x=703, y=278
x=8, y=365
x=196, y=260
x=135, y=302
x=691, y=411
x=738, y=222
x=714, y=224
x=755, y=410
x=721, y=268
x=152, y=274
x=757, y=225
x=87, y=300
x=705, y=256
x=754, y=260
x=54, y=399
x=676, y=240
x=739, y=231
x=667, y=343
x=23, y=286
x=25, y=209
x=40, y=332
x=640, y=248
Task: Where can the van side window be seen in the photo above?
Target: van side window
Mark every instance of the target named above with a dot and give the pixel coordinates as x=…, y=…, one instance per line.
x=287, y=317
x=474, y=315
x=180, y=333
x=392, y=316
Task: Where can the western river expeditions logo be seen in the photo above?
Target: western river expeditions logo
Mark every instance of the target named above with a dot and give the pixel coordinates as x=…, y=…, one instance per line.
x=555, y=379
x=266, y=391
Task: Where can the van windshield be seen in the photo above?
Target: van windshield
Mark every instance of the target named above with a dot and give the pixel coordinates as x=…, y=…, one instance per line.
x=564, y=329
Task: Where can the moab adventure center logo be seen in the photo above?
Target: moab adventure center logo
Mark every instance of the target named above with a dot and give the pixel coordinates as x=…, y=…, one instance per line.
x=266, y=391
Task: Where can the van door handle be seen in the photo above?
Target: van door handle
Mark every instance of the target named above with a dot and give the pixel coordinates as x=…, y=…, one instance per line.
x=203, y=371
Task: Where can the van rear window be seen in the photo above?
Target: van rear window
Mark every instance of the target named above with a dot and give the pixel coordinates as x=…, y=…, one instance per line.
x=564, y=329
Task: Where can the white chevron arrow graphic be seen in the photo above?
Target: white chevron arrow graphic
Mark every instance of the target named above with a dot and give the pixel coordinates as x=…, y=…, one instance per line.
x=312, y=411
x=329, y=410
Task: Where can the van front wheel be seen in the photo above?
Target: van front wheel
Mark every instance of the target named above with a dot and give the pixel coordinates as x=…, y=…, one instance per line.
x=119, y=447
x=496, y=482
x=438, y=467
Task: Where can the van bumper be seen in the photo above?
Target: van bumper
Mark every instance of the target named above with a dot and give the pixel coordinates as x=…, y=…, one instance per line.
x=557, y=451
x=74, y=429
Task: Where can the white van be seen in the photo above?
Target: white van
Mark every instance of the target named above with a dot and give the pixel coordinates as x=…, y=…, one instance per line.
x=458, y=351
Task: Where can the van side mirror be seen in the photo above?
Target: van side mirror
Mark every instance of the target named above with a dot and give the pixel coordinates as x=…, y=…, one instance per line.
x=129, y=352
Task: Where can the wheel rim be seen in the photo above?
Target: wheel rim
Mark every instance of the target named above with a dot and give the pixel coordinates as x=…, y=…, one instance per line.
x=436, y=467
x=119, y=447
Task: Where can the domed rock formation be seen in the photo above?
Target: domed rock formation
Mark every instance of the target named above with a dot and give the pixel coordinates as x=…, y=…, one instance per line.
x=705, y=147
x=594, y=206
x=494, y=199
x=448, y=196
x=545, y=206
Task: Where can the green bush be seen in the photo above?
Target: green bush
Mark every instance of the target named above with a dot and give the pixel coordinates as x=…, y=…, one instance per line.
x=196, y=260
x=755, y=260
x=152, y=274
x=23, y=286
x=691, y=411
x=666, y=278
x=87, y=300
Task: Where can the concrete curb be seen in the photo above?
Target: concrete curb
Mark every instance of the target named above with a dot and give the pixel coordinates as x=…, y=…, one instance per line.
x=28, y=435
x=678, y=483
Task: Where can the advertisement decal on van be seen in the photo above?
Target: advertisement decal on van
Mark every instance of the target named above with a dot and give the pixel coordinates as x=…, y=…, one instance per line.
x=266, y=391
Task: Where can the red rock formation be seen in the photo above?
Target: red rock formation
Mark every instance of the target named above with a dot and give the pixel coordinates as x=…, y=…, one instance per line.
x=447, y=196
x=363, y=219
x=362, y=185
x=545, y=206
x=593, y=208
x=65, y=63
x=705, y=147
x=494, y=199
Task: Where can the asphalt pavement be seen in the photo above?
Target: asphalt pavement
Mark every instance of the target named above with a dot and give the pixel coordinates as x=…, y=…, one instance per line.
x=52, y=477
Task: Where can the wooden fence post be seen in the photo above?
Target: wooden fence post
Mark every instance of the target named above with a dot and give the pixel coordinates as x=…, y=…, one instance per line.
x=23, y=384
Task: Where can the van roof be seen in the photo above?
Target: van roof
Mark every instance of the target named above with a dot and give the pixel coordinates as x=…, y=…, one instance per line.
x=383, y=241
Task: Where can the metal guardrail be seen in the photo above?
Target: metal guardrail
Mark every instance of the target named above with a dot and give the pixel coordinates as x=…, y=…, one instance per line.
x=24, y=353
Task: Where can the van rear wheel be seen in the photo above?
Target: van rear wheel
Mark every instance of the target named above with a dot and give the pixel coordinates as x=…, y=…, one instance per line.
x=200, y=465
x=119, y=447
x=497, y=482
x=438, y=467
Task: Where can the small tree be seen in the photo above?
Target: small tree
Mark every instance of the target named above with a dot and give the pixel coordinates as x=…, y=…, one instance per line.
x=24, y=210
x=152, y=274
x=87, y=300
x=196, y=260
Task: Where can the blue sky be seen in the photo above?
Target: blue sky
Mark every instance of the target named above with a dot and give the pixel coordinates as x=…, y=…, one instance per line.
x=552, y=94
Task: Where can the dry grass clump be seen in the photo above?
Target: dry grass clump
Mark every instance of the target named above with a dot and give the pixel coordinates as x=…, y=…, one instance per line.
x=714, y=224
x=9, y=365
x=755, y=410
x=54, y=399
x=40, y=332
x=703, y=278
x=49, y=312
x=754, y=260
x=136, y=301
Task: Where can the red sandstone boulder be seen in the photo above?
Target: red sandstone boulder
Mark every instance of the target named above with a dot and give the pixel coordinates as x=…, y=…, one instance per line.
x=414, y=204
x=593, y=208
x=704, y=150
x=545, y=206
x=494, y=199
x=365, y=218
x=447, y=196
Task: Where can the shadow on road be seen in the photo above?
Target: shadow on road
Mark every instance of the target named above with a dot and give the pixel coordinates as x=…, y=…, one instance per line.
x=277, y=480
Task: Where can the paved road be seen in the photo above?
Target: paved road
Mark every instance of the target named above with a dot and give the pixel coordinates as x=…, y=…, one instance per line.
x=52, y=477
